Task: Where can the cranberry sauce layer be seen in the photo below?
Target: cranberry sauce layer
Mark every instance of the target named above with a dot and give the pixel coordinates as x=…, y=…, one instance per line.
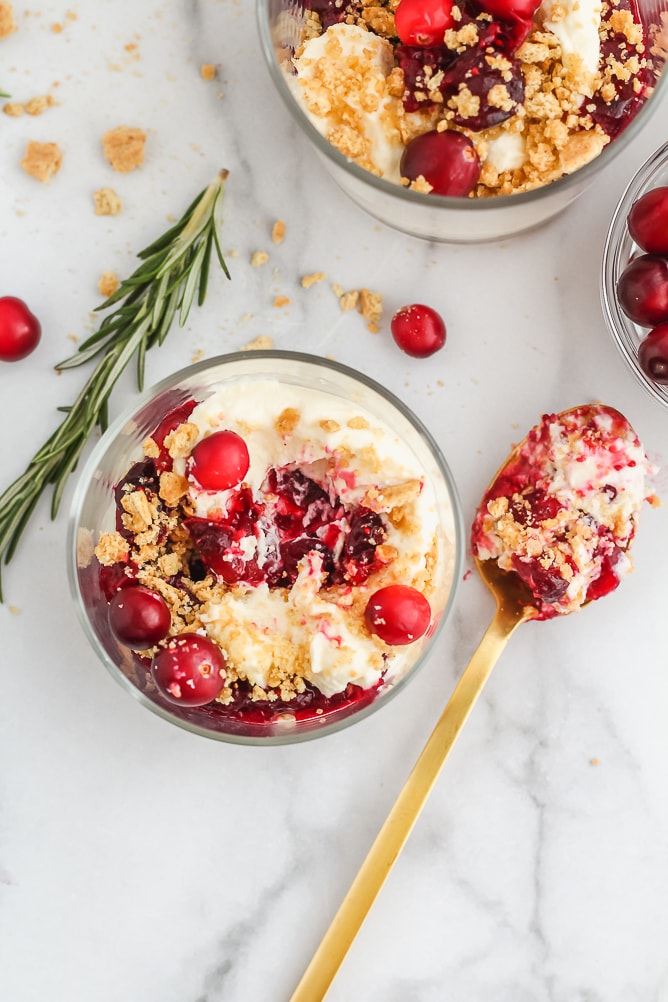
x=562, y=512
x=264, y=553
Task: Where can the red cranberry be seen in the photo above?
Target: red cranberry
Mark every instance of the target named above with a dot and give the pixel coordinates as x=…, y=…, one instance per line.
x=653, y=354
x=642, y=290
x=139, y=617
x=20, y=330
x=418, y=330
x=447, y=160
x=189, y=670
x=220, y=460
x=510, y=10
x=398, y=614
x=423, y=22
x=648, y=221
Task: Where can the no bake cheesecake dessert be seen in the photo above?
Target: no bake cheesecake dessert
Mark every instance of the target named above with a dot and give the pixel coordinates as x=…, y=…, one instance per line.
x=474, y=98
x=278, y=553
x=562, y=513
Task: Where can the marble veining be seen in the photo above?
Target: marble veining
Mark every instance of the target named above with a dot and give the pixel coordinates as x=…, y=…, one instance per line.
x=142, y=864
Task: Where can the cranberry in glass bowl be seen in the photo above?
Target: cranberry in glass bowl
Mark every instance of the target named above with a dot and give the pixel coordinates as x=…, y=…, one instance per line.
x=435, y=68
x=268, y=551
x=628, y=287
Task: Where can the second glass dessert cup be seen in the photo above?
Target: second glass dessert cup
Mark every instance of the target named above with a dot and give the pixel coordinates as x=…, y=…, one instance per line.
x=438, y=217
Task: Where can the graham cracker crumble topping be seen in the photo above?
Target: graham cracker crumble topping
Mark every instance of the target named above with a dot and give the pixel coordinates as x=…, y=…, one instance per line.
x=108, y=283
x=123, y=147
x=111, y=549
x=107, y=202
x=42, y=160
x=179, y=443
x=287, y=421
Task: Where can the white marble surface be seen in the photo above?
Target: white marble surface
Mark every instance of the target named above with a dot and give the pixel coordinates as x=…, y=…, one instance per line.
x=139, y=863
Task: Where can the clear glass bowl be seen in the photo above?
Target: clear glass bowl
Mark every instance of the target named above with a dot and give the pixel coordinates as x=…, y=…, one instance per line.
x=437, y=217
x=93, y=512
x=618, y=251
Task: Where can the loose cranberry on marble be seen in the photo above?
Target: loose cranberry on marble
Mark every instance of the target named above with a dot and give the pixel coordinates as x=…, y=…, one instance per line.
x=418, y=330
x=648, y=221
x=189, y=670
x=423, y=22
x=139, y=617
x=447, y=160
x=20, y=330
x=642, y=290
x=398, y=614
x=220, y=461
x=653, y=354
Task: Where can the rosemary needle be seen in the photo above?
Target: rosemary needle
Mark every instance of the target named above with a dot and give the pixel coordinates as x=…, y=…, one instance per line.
x=174, y=270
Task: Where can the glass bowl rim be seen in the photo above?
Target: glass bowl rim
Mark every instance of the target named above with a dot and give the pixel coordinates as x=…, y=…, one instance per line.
x=619, y=325
x=168, y=382
x=440, y=202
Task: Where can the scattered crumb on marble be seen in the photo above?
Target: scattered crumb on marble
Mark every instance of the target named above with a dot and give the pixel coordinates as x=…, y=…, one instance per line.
x=281, y=301
x=260, y=343
x=198, y=355
x=107, y=202
x=312, y=279
x=14, y=609
x=207, y=71
x=73, y=338
x=42, y=160
x=37, y=105
x=13, y=109
x=258, y=258
x=232, y=253
x=349, y=300
x=245, y=317
x=123, y=147
x=108, y=283
x=594, y=761
x=7, y=22
x=278, y=231
x=56, y=28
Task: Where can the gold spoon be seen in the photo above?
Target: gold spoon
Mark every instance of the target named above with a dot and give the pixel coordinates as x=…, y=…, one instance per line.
x=514, y=605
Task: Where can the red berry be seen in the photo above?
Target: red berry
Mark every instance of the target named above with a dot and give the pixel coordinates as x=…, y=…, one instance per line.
x=220, y=460
x=398, y=614
x=418, y=330
x=510, y=10
x=642, y=290
x=20, y=330
x=423, y=22
x=648, y=221
x=139, y=617
x=653, y=354
x=189, y=670
x=447, y=160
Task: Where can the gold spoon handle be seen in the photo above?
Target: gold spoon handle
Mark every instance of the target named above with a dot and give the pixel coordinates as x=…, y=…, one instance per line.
x=395, y=831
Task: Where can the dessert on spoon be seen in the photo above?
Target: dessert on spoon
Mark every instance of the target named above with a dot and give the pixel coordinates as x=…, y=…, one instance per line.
x=551, y=534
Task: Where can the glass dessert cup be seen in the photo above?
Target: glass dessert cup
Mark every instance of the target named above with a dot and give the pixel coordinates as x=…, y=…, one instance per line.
x=438, y=217
x=94, y=513
x=619, y=249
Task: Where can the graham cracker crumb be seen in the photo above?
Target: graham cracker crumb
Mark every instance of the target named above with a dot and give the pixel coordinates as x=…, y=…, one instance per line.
x=371, y=308
x=107, y=202
x=111, y=549
x=7, y=22
x=312, y=279
x=123, y=147
x=179, y=443
x=278, y=231
x=172, y=487
x=42, y=160
x=207, y=71
x=287, y=421
x=260, y=343
x=150, y=448
x=108, y=283
x=36, y=105
x=349, y=300
x=258, y=258
x=13, y=109
x=281, y=301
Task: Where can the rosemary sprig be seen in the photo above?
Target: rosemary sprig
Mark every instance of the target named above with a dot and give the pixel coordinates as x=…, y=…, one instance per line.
x=175, y=269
